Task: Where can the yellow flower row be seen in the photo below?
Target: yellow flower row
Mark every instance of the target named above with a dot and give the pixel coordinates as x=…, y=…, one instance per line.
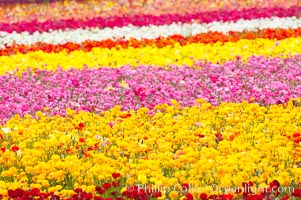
x=177, y=54
x=201, y=145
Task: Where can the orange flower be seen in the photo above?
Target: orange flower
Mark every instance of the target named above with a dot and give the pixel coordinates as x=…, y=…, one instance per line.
x=207, y=38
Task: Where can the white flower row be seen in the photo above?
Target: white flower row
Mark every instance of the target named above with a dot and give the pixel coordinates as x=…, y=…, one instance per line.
x=147, y=32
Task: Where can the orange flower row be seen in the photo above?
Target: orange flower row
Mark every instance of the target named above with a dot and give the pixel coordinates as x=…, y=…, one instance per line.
x=210, y=37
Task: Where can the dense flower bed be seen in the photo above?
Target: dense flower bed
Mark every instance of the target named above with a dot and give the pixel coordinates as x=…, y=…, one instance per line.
x=165, y=100
x=108, y=8
x=146, y=20
x=200, y=145
x=206, y=38
x=147, y=32
x=273, y=81
x=162, y=57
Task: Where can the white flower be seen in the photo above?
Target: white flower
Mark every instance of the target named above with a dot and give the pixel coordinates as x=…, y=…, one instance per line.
x=6, y=130
x=19, y=153
x=103, y=139
x=148, y=32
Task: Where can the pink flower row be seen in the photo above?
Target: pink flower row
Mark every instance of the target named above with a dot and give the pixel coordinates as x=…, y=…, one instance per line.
x=269, y=81
x=145, y=20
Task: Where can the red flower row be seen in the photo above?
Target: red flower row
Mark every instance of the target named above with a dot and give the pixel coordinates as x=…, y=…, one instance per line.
x=146, y=20
x=111, y=190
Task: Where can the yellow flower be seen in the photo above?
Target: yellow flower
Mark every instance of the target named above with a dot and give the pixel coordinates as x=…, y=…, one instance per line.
x=35, y=185
x=173, y=194
x=159, y=152
x=151, y=55
x=142, y=179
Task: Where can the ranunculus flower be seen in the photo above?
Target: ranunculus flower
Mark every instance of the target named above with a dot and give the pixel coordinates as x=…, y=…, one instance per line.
x=15, y=148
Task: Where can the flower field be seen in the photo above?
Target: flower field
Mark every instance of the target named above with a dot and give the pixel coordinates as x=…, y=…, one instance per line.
x=150, y=99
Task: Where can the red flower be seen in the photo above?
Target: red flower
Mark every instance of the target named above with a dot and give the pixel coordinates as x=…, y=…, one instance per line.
x=266, y=190
x=81, y=140
x=87, y=195
x=226, y=196
x=297, y=140
x=3, y=149
x=126, y=116
x=149, y=190
x=69, y=150
x=76, y=196
x=274, y=184
x=114, y=193
x=96, y=146
x=203, y=196
x=247, y=188
x=238, y=190
x=115, y=184
x=15, y=193
x=185, y=187
x=99, y=190
x=43, y=195
x=54, y=197
x=157, y=194
x=296, y=192
x=213, y=196
x=98, y=198
x=15, y=148
x=251, y=183
x=116, y=175
x=219, y=137
x=189, y=196
x=35, y=191
x=126, y=193
x=106, y=185
x=256, y=197
x=244, y=184
x=80, y=126
x=78, y=190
